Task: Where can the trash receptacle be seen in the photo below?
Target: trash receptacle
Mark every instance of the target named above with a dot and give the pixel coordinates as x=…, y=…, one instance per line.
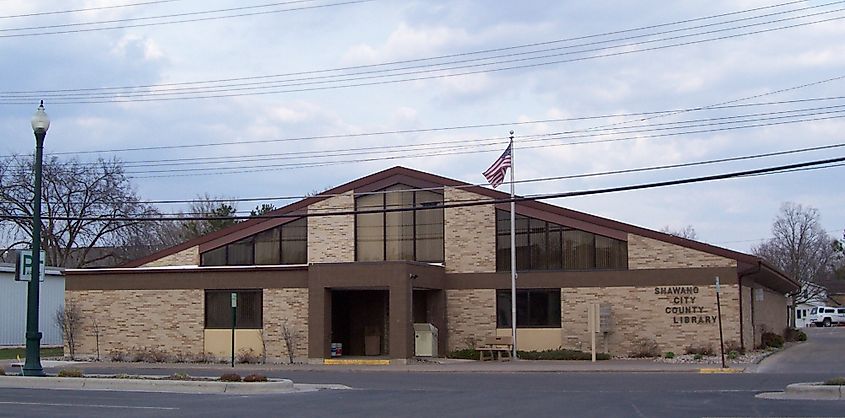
x=425, y=340
x=336, y=349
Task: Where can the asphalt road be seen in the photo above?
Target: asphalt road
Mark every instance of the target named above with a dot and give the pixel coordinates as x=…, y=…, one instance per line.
x=823, y=352
x=405, y=394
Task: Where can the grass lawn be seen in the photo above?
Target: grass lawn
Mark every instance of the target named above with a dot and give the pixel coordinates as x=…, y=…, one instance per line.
x=13, y=353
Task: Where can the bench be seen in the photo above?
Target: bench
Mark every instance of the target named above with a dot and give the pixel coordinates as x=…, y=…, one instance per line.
x=495, y=348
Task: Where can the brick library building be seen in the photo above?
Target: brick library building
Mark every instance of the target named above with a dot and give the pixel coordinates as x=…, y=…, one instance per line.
x=358, y=266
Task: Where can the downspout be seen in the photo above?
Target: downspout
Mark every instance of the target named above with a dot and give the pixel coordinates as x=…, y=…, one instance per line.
x=755, y=270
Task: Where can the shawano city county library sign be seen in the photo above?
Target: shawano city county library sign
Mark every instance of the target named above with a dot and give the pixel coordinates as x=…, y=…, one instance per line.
x=684, y=305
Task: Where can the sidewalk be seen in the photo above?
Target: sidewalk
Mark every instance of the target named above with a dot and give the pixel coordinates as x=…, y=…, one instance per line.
x=424, y=366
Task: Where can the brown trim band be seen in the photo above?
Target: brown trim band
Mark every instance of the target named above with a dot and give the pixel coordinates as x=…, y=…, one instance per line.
x=611, y=278
x=189, y=279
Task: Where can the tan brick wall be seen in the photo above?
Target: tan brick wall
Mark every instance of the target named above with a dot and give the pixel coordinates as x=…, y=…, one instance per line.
x=747, y=321
x=169, y=320
x=187, y=257
x=647, y=253
x=769, y=313
x=331, y=239
x=289, y=307
x=470, y=234
x=470, y=316
x=639, y=312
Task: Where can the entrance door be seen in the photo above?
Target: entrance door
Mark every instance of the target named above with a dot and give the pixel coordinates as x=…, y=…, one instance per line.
x=360, y=321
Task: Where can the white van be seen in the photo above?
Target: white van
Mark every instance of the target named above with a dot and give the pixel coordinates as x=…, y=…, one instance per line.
x=826, y=316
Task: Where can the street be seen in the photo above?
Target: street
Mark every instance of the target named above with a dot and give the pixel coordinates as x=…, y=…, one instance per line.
x=446, y=394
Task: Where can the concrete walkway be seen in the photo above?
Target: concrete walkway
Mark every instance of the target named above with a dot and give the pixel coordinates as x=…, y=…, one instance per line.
x=429, y=366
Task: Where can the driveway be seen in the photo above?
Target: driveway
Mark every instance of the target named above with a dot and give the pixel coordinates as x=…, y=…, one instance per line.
x=823, y=352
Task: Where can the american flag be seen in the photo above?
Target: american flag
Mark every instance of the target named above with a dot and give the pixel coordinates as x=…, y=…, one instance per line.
x=496, y=173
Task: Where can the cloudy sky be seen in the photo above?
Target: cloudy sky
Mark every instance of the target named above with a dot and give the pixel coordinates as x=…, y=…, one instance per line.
x=258, y=99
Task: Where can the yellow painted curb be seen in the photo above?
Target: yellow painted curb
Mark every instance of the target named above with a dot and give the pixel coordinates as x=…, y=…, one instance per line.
x=355, y=362
x=719, y=371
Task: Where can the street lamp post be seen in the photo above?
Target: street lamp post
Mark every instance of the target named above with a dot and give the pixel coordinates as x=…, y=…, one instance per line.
x=32, y=367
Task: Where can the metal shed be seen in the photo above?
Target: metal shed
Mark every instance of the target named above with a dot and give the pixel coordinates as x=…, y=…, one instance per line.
x=13, y=307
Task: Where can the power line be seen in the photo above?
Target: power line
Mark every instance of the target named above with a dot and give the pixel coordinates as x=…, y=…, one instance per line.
x=455, y=145
x=201, y=19
x=88, y=9
x=440, y=57
x=159, y=91
x=526, y=181
x=536, y=197
x=277, y=167
x=156, y=96
x=728, y=105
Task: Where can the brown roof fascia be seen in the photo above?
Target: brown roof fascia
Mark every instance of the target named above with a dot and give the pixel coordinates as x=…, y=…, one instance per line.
x=428, y=178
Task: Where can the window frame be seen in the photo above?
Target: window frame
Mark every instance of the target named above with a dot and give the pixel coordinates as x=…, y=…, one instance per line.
x=505, y=322
x=415, y=206
x=238, y=323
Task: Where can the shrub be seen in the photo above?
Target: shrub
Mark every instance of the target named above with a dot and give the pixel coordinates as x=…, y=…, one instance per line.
x=835, y=381
x=248, y=356
x=734, y=345
x=703, y=349
x=697, y=357
x=770, y=339
x=2, y=371
x=230, y=377
x=255, y=378
x=117, y=355
x=71, y=372
x=466, y=354
x=793, y=334
x=644, y=347
x=560, y=354
x=180, y=376
x=669, y=354
x=732, y=355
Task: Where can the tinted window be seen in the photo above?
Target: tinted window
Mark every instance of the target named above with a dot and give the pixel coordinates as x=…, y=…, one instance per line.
x=218, y=309
x=535, y=308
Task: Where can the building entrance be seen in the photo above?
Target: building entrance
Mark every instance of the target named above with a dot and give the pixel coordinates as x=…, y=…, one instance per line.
x=360, y=321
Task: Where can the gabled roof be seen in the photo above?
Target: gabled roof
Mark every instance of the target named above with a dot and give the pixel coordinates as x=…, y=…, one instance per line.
x=417, y=178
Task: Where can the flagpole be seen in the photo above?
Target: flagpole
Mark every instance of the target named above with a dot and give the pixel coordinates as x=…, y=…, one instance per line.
x=513, y=255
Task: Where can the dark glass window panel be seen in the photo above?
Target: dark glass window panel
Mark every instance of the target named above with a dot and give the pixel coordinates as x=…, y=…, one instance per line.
x=578, y=250
x=218, y=309
x=503, y=240
x=538, y=245
x=399, y=226
x=555, y=251
x=240, y=253
x=429, y=227
x=295, y=242
x=215, y=257
x=535, y=308
x=369, y=228
x=523, y=253
x=503, y=308
x=268, y=247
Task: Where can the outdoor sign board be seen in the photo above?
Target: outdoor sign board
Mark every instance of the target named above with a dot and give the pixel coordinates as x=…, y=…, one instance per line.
x=23, y=266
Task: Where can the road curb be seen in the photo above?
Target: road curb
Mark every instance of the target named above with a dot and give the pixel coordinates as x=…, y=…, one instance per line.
x=808, y=391
x=720, y=370
x=147, y=385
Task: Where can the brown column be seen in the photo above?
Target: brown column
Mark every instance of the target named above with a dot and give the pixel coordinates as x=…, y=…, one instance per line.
x=320, y=322
x=401, y=323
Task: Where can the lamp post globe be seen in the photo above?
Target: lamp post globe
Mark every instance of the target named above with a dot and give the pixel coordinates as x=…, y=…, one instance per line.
x=32, y=367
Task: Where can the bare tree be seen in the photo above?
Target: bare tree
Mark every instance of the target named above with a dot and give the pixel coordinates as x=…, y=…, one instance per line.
x=96, y=329
x=801, y=248
x=290, y=340
x=687, y=232
x=69, y=320
x=207, y=206
x=86, y=206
